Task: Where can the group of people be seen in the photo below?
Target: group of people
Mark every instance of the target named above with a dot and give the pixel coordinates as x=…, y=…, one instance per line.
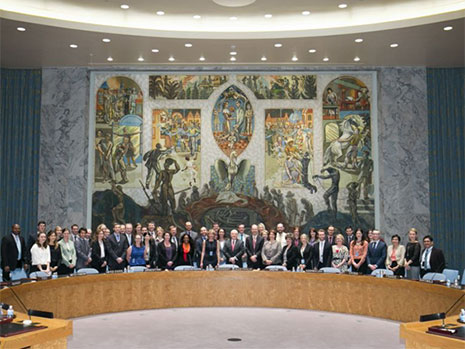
x=65, y=251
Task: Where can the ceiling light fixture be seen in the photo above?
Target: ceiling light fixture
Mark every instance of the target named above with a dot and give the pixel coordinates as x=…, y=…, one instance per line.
x=268, y=15
x=449, y=27
x=342, y=5
x=106, y=40
x=312, y=50
x=110, y=59
x=171, y=59
x=196, y=16
x=263, y=59
x=305, y=13
x=202, y=58
x=124, y=6
x=233, y=53
x=188, y=44
x=356, y=59
x=232, y=59
x=294, y=58
x=21, y=29
x=73, y=46
x=233, y=18
x=140, y=59
x=394, y=45
x=359, y=40
x=160, y=13
x=326, y=59
x=155, y=50
x=278, y=45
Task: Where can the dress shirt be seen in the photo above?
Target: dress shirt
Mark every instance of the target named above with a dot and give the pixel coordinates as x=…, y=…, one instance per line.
x=425, y=259
x=40, y=255
x=102, y=249
x=322, y=248
x=18, y=245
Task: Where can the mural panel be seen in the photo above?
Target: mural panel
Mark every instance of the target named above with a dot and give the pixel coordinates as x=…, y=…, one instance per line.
x=281, y=86
x=184, y=86
x=232, y=121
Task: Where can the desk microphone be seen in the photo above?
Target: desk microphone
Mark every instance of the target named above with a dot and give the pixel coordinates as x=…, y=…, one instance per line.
x=453, y=305
x=25, y=322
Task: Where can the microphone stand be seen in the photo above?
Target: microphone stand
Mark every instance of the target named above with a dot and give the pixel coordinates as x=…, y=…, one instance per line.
x=20, y=302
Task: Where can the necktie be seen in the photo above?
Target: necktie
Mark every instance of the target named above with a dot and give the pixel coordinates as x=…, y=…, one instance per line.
x=233, y=243
x=330, y=239
x=427, y=267
x=253, y=244
x=117, y=238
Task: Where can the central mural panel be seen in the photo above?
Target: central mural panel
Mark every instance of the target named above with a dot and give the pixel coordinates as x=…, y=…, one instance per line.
x=234, y=149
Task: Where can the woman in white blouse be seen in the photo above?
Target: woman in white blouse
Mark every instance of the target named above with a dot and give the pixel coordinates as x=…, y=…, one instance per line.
x=395, y=256
x=40, y=255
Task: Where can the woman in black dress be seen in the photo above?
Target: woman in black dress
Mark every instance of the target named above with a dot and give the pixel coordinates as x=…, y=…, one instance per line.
x=55, y=251
x=290, y=254
x=99, y=252
x=186, y=251
x=210, y=251
x=167, y=253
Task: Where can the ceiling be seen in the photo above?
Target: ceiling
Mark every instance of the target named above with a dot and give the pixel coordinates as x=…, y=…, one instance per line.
x=51, y=26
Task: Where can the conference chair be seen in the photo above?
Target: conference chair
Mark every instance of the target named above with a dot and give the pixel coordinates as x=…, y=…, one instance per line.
x=38, y=274
x=451, y=274
x=137, y=269
x=463, y=278
x=184, y=268
x=276, y=268
x=379, y=272
x=87, y=271
x=40, y=313
x=330, y=270
x=18, y=274
x=228, y=267
x=434, y=277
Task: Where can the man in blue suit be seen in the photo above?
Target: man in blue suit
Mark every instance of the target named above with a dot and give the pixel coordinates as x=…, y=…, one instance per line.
x=376, y=256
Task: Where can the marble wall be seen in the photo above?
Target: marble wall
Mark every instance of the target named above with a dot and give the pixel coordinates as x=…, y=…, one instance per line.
x=402, y=130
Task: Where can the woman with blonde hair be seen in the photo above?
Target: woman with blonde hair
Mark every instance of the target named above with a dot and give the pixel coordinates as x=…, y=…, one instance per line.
x=340, y=254
x=412, y=256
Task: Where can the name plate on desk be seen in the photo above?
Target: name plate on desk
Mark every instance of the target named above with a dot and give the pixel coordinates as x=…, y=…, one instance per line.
x=151, y=270
x=456, y=332
x=115, y=271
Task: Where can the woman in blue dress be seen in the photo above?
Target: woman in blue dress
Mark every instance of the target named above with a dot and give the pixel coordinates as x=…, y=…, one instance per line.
x=135, y=253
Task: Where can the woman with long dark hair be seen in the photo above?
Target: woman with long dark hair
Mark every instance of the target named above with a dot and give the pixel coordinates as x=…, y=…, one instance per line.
x=358, y=252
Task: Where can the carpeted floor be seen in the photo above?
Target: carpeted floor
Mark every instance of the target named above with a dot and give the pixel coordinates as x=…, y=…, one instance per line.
x=212, y=327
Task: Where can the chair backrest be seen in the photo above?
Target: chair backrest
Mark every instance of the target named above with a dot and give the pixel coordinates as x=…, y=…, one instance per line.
x=228, y=267
x=431, y=317
x=88, y=271
x=137, y=269
x=40, y=313
x=276, y=267
x=38, y=274
x=463, y=278
x=378, y=272
x=451, y=274
x=434, y=277
x=184, y=267
x=330, y=270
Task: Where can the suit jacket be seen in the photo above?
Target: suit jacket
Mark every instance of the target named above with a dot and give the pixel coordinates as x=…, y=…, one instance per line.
x=163, y=257
x=327, y=255
x=333, y=242
x=97, y=261
x=9, y=252
x=254, y=251
x=153, y=254
x=292, y=256
x=377, y=256
x=347, y=241
x=400, y=255
x=198, y=249
x=83, y=252
x=236, y=253
x=192, y=234
x=117, y=250
x=307, y=256
x=437, y=261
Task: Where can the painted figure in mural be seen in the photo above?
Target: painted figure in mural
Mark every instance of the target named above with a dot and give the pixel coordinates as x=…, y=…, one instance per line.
x=308, y=208
x=331, y=97
x=195, y=195
x=366, y=169
x=305, y=166
x=353, y=196
x=232, y=170
x=292, y=165
x=105, y=148
x=248, y=118
x=152, y=158
x=182, y=202
x=349, y=128
x=131, y=152
x=118, y=210
x=191, y=169
x=267, y=195
x=118, y=160
x=291, y=209
x=216, y=120
x=163, y=182
x=330, y=195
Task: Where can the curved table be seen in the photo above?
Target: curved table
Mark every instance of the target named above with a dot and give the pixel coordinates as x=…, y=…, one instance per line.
x=399, y=300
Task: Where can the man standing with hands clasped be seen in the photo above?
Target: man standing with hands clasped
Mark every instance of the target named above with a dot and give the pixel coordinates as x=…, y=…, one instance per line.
x=15, y=255
x=376, y=255
x=254, y=245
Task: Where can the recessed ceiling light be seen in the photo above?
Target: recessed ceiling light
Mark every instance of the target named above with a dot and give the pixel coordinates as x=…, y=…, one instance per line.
x=233, y=53
x=73, y=46
x=232, y=59
x=356, y=59
x=342, y=5
x=106, y=40
x=124, y=6
x=394, y=45
x=110, y=59
x=233, y=18
x=196, y=16
x=278, y=45
x=263, y=59
x=171, y=59
x=155, y=50
x=294, y=58
x=312, y=50
x=305, y=13
x=188, y=44
x=268, y=15
x=202, y=58
x=326, y=59
x=449, y=27
x=140, y=59
x=21, y=29
x=358, y=40
x=160, y=13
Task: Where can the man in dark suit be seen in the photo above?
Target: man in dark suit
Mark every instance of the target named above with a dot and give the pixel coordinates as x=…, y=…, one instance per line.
x=83, y=251
x=198, y=245
x=174, y=236
x=234, y=249
x=322, y=251
x=376, y=255
x=32, y=238
x=129, y=232
x=15, y=255
x=189, y=231
x=253, y=245
x=432, y=258
x=117, y=245
x=331, y=237
x=348, y=236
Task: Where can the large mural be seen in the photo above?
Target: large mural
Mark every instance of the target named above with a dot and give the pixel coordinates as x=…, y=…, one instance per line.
x=311, y=164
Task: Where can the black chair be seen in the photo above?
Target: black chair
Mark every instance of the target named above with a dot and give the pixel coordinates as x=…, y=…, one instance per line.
x=40, y=313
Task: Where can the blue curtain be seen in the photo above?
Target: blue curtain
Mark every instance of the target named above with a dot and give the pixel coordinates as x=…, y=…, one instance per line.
x=446, y=115
x=19, y=152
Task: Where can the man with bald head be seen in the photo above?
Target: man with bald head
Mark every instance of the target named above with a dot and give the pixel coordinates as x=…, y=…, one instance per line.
x=15, y=255
x=234, y=249
x=253, y=246
x=189, y=231
x=281, y=234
